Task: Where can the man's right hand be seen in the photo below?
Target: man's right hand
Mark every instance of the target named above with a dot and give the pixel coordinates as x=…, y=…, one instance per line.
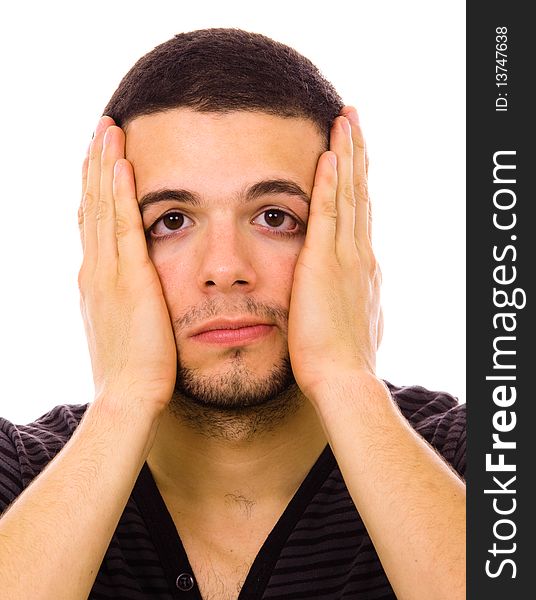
x=73, y=507
x=127, y=323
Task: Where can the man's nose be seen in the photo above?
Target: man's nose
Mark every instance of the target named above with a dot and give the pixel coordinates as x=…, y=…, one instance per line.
x=226, y=263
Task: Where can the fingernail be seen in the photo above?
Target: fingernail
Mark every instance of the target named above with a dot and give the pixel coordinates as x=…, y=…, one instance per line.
x=118, y=166
x=345, y=125
x=332, y=157
x=107, y=136
x=100, y=126
x=352, y=116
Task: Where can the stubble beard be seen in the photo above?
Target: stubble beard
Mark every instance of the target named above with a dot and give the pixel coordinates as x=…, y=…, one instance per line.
x=236, y=404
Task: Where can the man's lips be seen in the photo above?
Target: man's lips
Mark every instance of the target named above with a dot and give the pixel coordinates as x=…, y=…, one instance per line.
x=231, y=332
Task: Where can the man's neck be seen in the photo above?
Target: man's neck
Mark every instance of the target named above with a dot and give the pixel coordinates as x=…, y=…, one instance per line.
x=262, y=465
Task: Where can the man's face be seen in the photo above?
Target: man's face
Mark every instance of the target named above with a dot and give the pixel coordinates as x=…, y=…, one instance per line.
x=224, y=203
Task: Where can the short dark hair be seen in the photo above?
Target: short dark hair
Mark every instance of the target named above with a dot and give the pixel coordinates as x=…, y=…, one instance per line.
x=222, y=70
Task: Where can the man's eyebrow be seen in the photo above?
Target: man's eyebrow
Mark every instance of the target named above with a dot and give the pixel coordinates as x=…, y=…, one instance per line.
x=257, y=190
x=276, y=186
x=167, y=194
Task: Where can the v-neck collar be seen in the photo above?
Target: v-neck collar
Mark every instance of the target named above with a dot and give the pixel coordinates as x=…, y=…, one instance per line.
x=172, y=554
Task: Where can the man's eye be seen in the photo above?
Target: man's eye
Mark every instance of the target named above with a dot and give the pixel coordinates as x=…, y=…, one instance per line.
x=172, y=221
x=274, y=218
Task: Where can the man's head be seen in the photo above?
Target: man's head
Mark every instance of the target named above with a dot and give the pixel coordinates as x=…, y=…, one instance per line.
x=223, y=70
x=224, y=129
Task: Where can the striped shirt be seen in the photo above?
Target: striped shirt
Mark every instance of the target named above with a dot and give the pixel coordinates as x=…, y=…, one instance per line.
x=319, y=548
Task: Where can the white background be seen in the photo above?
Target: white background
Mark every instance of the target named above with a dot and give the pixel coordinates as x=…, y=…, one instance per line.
x=401, y=63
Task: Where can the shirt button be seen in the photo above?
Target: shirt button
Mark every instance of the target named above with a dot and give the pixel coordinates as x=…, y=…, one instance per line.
x=185, y=582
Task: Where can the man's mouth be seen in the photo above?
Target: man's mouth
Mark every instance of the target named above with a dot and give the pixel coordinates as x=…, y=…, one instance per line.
x=231, y=332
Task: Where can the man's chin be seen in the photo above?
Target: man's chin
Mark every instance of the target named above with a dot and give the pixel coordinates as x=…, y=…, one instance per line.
x=236, y=405
x=237, y=388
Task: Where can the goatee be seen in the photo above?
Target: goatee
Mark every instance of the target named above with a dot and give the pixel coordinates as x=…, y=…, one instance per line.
x=235, y=405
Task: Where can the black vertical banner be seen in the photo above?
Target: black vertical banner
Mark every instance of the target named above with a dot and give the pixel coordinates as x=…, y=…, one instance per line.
x=501, y=268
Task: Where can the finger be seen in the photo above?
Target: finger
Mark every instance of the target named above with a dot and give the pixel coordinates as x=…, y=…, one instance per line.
x=357, y=133
x=81, y=206
x=113, y=149
x=85, y=166
x=131, y=243
x=379, y=332
x=341, y=144
x=92, y=193
x=363, y=229
x=322, y=224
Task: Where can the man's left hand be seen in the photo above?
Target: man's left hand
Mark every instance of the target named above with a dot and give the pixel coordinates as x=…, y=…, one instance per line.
x=335, y=318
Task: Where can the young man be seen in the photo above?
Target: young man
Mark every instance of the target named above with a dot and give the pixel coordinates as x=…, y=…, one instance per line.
x=239, y=444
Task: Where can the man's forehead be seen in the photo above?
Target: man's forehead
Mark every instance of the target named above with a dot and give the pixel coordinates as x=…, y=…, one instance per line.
x=200, y=152
x=183, y=117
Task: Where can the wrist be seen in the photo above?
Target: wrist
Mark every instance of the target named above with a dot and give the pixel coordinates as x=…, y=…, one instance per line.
x=125, y=416
x=359, y=390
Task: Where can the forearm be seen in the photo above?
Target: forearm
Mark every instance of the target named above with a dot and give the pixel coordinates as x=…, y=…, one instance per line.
x=411, y=502
x=55, y=535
